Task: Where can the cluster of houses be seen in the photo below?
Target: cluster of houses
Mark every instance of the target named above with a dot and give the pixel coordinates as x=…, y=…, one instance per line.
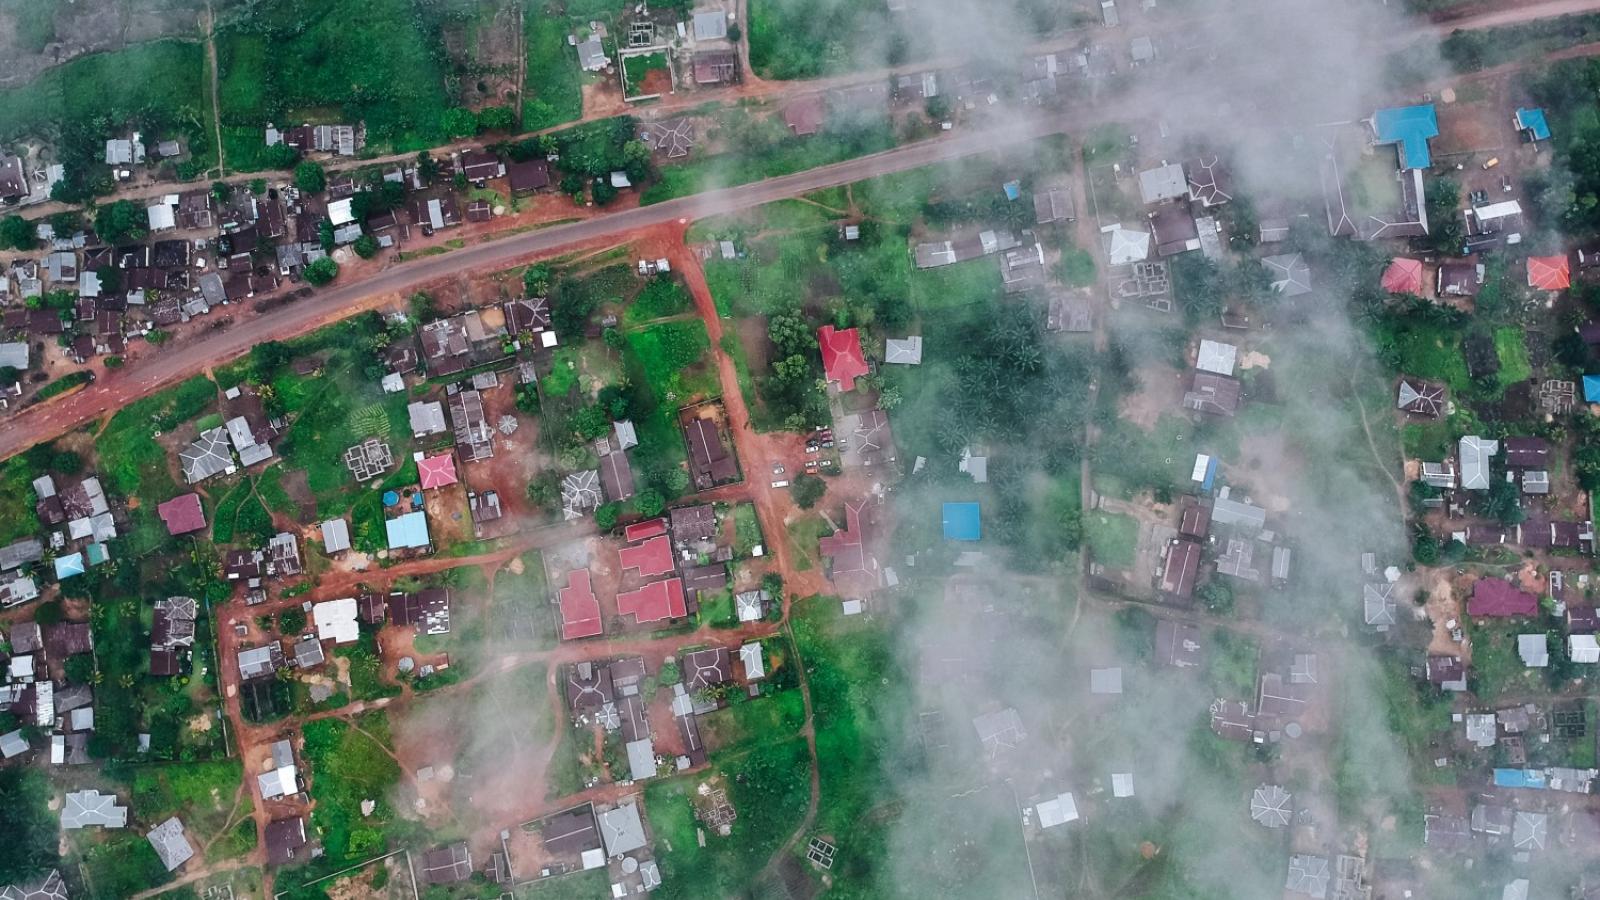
x=1230, y=534
x=80, y=521
x=666, y=564
x=35, y=690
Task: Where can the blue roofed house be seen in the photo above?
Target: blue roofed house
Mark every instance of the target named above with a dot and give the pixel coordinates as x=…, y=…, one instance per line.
x=962, y=522
x=1591, y=388
x=1409, y=128
x=69, y=565
x=408, y=531
x=1531, y=123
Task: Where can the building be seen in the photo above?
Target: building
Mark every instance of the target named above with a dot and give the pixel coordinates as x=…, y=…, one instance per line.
x=1290, y=275
x=1408, y=129
x=580, y=609
x=1420, y=398
x=1166, y=182
x=284, y=839
x=710, y=461
x=90, y=808
x=1474, y=453
x=182, y=514
x=621, y=829
x=842, y=360
x=1497, y=598
x=428, y=610
x=446, y=865
x=171, y=844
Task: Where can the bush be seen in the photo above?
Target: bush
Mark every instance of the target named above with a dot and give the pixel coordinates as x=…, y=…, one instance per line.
x=322, y=271
x=280, y=156
x=16, y=233
x=310, y=177
x=605, y=517
x=366, y=246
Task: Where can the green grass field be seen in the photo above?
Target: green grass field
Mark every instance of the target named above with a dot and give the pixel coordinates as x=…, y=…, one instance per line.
x=636, y=69
x=1513, y=352
x=1111, y=538
x=1426, y=351
x=554, y=84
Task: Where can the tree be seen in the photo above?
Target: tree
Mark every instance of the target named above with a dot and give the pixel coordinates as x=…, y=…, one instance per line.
x=279, y=156
x=16, y=233
x=791, y=334
x=29, y=849
x=258, y=186
x=605, y=516
x=649, y=502
x=734, y=34
x=1503, y=502
x=807, y=490
x=591, y=423
x=366, y=246
x=459, y=122
x=310, y=177
x=325, y=235
x=221, y=190
x=637, y=160
x=1442, y=198
x=1216, y=595
x=536, y=280
x=321, y=271
x=427, y=166
x=602, y=192
x=119, y=221
x=496, y=118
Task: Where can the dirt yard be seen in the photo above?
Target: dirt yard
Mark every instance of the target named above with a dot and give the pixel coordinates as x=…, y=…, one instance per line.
x=1160, y=393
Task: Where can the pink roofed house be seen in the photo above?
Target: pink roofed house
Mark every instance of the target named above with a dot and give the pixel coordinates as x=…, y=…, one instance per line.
x=653, y=557
x=1496, y=598
x=1549, y=273
x=580, y=610
x=654, y=602
x=182, y=514
x=841, y=356
x=1404, y=276
x=437, y=471
x=649, y=528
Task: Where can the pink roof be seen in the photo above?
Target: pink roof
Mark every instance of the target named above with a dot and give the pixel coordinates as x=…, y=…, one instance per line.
x=580, y=611
x=1498, y=598
x=841, y=356
x=1404, y=276
x=437, y=471
x=649, y=528
x=1549, y=273
x=654, y=602
x=653, y=557
x=182, y=514
x=851, y=565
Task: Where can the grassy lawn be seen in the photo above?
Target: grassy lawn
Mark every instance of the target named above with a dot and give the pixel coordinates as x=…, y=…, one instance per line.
x=803, y=534
x=135, y=465
x=18, y=518
x=1427, y=440
x=672, y=356
x=974, y=281
x=1496, y=667
x=636, y=69
x=555, y=91
x=203, y=793
x=1111, y=538
x=746, y=529
x=1427, y=351
x=1513, y=352
x=761, y=720
x=351, y=765
x=661, y=298
x=287, y=62
x=575, y=886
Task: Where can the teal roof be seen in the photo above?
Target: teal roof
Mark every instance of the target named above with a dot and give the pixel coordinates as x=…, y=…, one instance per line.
x=97, y=554
x=962, y=522
x=409, y=530
x=1410, y=127
x=1533, y=122
x=1591, y=388
x=68, y=566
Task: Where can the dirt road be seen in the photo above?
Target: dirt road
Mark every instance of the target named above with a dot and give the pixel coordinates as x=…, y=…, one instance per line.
x=142, y=377
x=1516, y=14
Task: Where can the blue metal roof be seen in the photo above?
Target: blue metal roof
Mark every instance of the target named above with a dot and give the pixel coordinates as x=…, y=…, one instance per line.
x=1519, y=778
x=1532, y=121
x=409, y=530
x=1591, y=388
x=1013, y=189
x=68, y=566
x=1409, y=127
x=962, y=522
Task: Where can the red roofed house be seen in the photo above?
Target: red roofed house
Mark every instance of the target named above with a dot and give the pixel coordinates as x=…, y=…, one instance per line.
x=580, y=611
x=437, y=471
x=653, y=557
x=182, y=514
x=1549, y=273
x=851, y=565
x=649, y=528
x=804, y=116
x=1494, y=597
x=1404, y=276
x=654, y=602
x=841, y=356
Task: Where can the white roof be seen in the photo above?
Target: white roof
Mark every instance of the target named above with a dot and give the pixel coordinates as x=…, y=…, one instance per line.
x=710, y=25
x=750, y=656
x=1583, y=648
x=340, y=213
x=1202, y=462
x=277, y=783
x=1534, y=650
x=1163, y=183
x=1124, y=245
x=1122, y=784
x=336, y=619
x=1105, y=681
x=904, y=352
x=161, y=216
x=426, y=417
x=13, y=743
x=1217, y=357
x=1058, y=810
x=1497, y=210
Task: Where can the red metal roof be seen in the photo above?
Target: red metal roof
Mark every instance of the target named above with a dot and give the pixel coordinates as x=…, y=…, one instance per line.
x=437, y=471
x=654, y=602
x=1494, y=597
x=1404, y=276
x=653, y=557
x=182, y=514
x=580, y=611
x=1549, y=273
x=841, y=356
x=638, y=531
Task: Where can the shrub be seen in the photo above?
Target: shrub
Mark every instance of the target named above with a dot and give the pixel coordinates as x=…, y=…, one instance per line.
x=310, y=177
x=322, y=271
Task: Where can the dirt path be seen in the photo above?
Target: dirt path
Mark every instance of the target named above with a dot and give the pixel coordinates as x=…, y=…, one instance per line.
x=208, y=24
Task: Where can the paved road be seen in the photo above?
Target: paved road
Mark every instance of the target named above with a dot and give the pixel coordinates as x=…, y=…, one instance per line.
x=210, y=348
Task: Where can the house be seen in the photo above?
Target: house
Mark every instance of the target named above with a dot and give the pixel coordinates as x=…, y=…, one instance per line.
x=260, y=662
x=1054, y=205
x=580, y=609
x=182, y=514
x=1213, y=394
x=1549, y=273
x=1408, y=129
x=249, y=441
x=90, y=808
x=206, y=456
x=435, y=213
x=621, y=829
x=1378, y=606
x=1420, y=398
x=1403, y=276
x=1527, y=453
x=1270, y=806
x=447, y=865
x=710, y=461
x=427, y=418
x=750, y=606
x=1534, y=649
x=706, y=668
x=1216, y=357
x=436, y=471
x=999, y=731
x=1290, y=275
x=1166, y=182
x=170, y=843
x=693, y=525
x=284, y=838
x=13, y=182
x=852, y=566
x=592, y=55
x=1496, y=598
x=616, y=475
x=805, y=115
x=280, y=780
x=528, y=175
x=283, y=555
x=479, y=166
x=1179, y=571
x=1459, y=278
x=1058, y=810
x=1447, y=673
x=1308, y=875
x=580, y=492
x=1531, y=124
x=842, y=360
x=473, y=434
x=1474, y=453
x=1174, y=230
x=651, y=558
x=654, y=602
x=408, y=531
x=428, y=610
